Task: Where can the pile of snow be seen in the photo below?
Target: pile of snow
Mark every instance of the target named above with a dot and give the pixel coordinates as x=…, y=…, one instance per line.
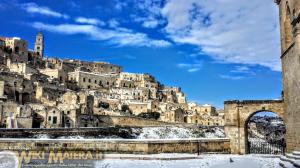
x=179, y=133
x=41, y=136
x=162, y=132
x=165, y=133
x=215, y=133
x=71, y=137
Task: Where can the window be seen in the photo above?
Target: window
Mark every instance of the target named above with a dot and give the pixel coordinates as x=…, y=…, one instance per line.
x=89, y=80
x=54, y=120
x=49, y=118
x=83, y=79
x=68, y=112
x=96, y=81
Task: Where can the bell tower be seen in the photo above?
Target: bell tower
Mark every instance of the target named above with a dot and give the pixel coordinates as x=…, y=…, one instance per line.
x=39, y=45
x=289, y=12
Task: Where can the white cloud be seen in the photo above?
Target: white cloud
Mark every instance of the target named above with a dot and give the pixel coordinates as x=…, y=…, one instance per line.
x=113, y=23
x=120, y=5
x=36, y=9
x=149, y=13
x=230, y=77
x=230, y=31
x=147, y=22
x=120, y=37
x=91, y=21
x=191, y=67
x=243, y=70
x=150, y=23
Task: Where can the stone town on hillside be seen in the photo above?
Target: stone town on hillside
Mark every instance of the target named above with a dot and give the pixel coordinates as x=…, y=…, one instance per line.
x=40, y=92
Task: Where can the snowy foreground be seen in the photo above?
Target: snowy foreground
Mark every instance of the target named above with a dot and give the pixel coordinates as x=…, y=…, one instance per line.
x=188, y=161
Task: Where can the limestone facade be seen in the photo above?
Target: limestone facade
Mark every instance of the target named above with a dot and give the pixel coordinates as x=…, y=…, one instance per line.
x=88, y=80
x=72, y=93
x=289, y=11
x=17, y=46
x=175, y=116
x=59, y=74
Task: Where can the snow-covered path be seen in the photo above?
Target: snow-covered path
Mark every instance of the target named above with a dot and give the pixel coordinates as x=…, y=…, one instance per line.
x=187, y=161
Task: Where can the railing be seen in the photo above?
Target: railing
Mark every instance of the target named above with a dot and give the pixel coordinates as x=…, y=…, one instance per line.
x=263, y=147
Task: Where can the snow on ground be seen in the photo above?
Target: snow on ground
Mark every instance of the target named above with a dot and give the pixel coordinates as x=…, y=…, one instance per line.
x=216, y=133
x=179, y=133
x=166, y=132
x=202, y=161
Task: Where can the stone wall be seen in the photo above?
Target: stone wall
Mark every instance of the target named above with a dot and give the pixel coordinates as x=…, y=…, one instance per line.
x=129, y=121
x=237, y=114
x=120, y=146
x=290, y=56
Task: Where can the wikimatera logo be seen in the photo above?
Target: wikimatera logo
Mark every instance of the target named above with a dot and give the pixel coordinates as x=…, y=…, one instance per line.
x=18, y=159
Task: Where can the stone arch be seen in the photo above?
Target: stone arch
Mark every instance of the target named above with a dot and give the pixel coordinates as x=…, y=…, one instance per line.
x=279, y=114
x=237, y=113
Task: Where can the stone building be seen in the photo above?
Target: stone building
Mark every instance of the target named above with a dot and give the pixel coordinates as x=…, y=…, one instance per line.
x=172, y=94
x=9, y=111
x=138, y=80
x=39, y=45
x=87, y=80
x=138, y=107
x=58, y=74
x=204, y=119
x=21, y=68
x=53, y=92
x=54, y=118
x=16, y=88
x=289, y=11
x=104, y=68
x=18, y=46
x=140, y=94
x=175, y=116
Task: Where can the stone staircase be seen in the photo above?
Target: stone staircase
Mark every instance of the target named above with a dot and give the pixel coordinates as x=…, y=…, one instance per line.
x=291, y=160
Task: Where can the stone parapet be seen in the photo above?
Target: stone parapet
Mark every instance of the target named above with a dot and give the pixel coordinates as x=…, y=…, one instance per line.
x=201, y=145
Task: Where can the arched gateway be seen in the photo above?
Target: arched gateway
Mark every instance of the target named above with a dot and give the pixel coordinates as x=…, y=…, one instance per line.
x=237, y=115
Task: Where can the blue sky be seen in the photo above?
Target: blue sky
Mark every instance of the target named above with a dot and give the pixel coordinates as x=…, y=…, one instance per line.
x=215, y=50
